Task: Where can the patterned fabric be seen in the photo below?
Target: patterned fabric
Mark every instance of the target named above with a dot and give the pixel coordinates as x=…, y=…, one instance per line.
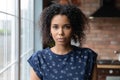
x=76, y=65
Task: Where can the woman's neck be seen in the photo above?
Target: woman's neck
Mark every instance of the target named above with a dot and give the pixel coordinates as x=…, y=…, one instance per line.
x=61, y=50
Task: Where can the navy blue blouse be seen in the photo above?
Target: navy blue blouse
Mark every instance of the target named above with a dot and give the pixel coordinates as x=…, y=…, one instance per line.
x=76, y=65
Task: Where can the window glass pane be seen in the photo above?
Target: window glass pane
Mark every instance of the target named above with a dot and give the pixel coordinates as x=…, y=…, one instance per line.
x=26, y=47
x=3, y=5
x=25, y=68
x=11, y=7
x=8, y=26
x=9, y=38
x=27, y=36
x=9, y=73
x=25, y=30
x=27, y=9
x=2, y=39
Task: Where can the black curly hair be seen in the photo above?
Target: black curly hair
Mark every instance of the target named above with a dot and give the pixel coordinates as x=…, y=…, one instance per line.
x=77, y=19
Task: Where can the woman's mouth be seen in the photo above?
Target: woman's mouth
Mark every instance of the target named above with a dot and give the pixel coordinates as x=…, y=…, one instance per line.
x=61, y=39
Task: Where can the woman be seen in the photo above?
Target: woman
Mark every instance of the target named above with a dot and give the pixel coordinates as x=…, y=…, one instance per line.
x=61, y=25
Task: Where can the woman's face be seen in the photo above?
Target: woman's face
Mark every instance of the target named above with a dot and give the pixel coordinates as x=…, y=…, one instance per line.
x=61, y=30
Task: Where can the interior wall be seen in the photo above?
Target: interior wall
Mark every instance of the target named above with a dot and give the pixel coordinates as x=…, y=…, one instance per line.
x=104, y=35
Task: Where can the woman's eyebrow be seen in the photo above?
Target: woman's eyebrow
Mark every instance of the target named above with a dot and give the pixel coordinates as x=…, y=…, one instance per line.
x=54, y=24
x=67, y=24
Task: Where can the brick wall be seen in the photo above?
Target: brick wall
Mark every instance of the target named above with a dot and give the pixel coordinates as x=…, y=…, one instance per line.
x=104, y=35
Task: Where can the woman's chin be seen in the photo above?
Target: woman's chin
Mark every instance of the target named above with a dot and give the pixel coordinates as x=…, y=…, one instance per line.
x=61, y=43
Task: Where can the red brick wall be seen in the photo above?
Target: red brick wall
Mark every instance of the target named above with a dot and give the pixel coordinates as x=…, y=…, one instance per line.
x=104, y=35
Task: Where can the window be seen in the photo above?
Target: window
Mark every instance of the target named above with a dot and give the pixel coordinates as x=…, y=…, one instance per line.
x=9, y=43
x=27, y=37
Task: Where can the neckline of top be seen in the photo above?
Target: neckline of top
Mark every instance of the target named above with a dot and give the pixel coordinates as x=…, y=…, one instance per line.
x=58, y=55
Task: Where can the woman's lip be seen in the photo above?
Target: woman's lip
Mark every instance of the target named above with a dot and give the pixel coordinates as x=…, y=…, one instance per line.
x=60, y=39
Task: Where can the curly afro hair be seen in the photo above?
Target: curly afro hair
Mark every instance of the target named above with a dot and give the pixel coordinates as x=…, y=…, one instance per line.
x=77, y=20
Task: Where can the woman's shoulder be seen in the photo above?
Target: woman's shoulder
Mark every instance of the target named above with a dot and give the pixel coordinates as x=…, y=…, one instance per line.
x=85, y=50
x=40, y=53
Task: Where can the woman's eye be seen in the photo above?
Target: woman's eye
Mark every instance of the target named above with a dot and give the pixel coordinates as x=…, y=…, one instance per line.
x=67, y=26
x=55, y=27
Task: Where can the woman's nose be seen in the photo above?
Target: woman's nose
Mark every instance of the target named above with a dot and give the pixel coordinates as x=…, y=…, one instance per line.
x=60, y=32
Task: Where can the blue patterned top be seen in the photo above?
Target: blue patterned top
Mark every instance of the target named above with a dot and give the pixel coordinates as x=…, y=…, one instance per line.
x=76, y=65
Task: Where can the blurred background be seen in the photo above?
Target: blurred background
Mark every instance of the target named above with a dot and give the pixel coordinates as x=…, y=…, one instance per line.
x=20, y=35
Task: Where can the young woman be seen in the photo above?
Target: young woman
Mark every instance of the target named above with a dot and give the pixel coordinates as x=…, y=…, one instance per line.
x=61, y=25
